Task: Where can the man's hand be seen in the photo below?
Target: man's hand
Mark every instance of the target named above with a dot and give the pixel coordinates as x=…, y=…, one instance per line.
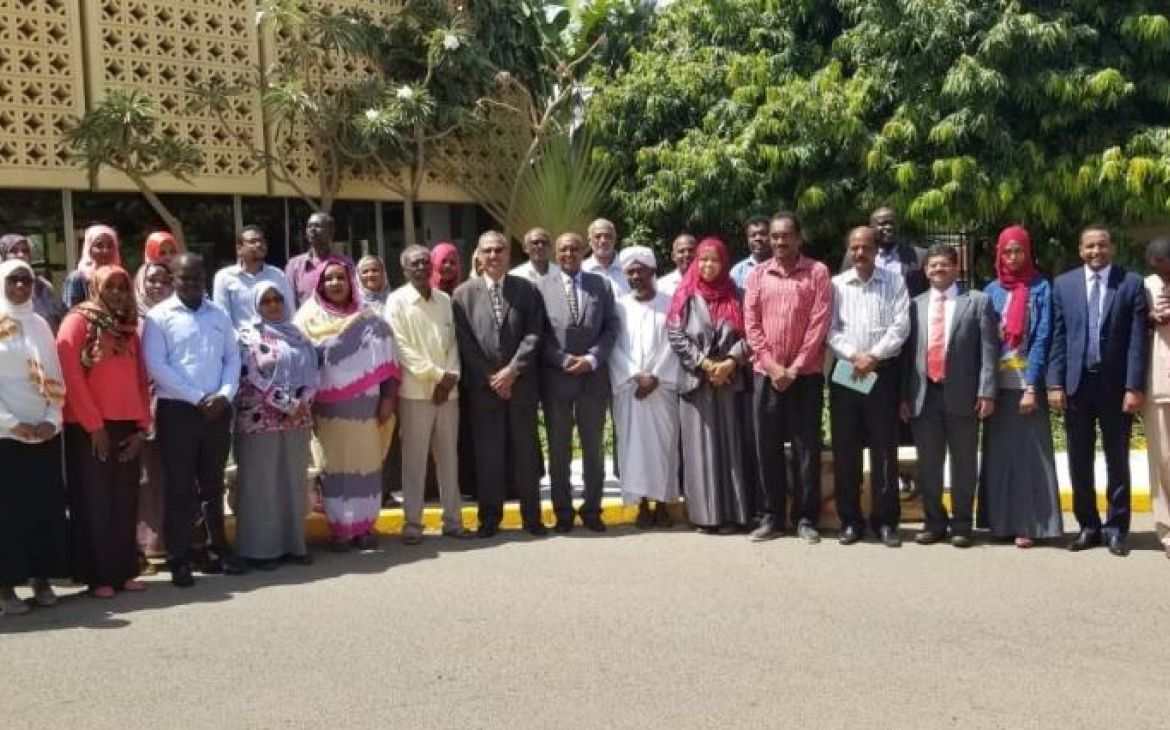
x=501, y=382
x=780, y=376
x=129, y=447
x=99, y=444
x=25, y=431
x=1057, y=400
x=386, y=408
x=577, y=365
x=443, y=388
x=863, y=365
x=1028, y=402
x=1133, y=402
x=212, y=406
x=646, y=383
x=984, y=407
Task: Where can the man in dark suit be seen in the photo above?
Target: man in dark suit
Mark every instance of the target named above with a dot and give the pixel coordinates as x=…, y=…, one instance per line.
x=948, y=387
x=1097, y=376
x=498, y=324
x=582, y=326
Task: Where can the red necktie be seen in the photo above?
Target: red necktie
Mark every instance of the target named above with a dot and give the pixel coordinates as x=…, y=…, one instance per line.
x=936, y=356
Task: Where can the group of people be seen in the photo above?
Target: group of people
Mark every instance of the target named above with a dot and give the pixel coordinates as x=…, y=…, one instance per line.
x=715, y=376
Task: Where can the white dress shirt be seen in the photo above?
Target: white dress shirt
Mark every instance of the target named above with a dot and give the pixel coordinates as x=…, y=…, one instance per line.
x=529, y=272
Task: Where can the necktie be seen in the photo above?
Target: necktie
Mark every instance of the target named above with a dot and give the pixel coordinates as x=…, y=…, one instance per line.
x=497, y=303
x=936, y=358
x=1093, y=348
x=571, y=296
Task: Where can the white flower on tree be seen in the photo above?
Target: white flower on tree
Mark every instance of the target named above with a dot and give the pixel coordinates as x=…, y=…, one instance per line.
x=405, y=93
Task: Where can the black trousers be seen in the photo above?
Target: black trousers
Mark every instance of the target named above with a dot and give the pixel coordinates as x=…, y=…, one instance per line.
x=506, y=449
x=195, y=452
x=103, y=506
x=938, y=434
x=796, y=413
x=1093, y=405
x=858, y=420
x=587, y=413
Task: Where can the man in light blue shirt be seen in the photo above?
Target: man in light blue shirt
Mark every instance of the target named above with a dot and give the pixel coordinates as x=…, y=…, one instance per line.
x=759, y=250
x=193, y=358
x=234, y=284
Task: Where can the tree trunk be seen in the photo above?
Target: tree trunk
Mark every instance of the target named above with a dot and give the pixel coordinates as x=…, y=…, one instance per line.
x=173, y=223
x=408, y=226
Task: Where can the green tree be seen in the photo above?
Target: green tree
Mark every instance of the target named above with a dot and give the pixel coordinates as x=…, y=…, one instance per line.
x=122, y=133
x=966, y=115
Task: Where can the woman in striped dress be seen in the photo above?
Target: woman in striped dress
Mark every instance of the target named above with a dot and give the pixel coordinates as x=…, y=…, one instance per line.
x=353, y=413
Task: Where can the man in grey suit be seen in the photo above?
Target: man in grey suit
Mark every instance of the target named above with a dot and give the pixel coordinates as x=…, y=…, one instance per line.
x=948, y=387
x=498, y=324
x=581, y=328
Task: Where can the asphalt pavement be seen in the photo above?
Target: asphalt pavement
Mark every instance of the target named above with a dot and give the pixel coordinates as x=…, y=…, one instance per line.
x=628, y=629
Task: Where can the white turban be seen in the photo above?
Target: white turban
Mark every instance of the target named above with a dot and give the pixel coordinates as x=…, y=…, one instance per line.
x=637, y=255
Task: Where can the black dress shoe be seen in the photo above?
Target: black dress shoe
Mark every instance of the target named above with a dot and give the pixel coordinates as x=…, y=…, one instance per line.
x=486, y=531
x=181, y=574
x=962, y=540
x=536, y=529
x=1117, y=546
x=301, y=559
x=263, y=564
x=1085, y=540
x=593, y=523
x=890, y=536
x=563, y=525
x=929, y=537
x=233, y=565
x=849, y=535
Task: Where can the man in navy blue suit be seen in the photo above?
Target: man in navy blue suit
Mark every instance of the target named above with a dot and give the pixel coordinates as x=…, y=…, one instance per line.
x=1097, y=376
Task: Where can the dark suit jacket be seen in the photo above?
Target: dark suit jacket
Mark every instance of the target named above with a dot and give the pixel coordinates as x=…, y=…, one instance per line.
x=1124, y=337
x=912, y=258
x=972, y=353
x=485, y=348
x=593, y=334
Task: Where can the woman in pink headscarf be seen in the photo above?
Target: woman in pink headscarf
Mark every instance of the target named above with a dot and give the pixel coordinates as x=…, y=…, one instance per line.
x=1018, y=494
x=705, y=329
x=446, y=267
x=99, y=248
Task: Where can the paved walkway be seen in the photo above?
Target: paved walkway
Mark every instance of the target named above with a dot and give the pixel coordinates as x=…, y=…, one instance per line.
x=625, y=630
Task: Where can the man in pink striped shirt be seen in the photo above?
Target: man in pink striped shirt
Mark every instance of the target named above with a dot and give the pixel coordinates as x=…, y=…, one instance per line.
x=787, y=312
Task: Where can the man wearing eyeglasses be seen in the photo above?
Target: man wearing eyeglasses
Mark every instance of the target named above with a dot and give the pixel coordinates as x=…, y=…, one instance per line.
x=538, y=248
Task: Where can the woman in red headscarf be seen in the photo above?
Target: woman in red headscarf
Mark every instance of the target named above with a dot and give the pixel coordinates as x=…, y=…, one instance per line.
x=1019, y=497
x=446, y=267
x=705, y=328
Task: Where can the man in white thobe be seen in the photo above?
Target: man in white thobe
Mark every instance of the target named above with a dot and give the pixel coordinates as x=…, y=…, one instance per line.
x=644, y=372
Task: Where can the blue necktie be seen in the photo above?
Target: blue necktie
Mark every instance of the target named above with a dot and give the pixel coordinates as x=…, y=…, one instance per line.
x=1093, y=349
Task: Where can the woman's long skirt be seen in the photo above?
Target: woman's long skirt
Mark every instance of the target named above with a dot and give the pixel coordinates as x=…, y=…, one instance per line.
x=103, y=507
x=353, y=446
x=1018, y=491
x=34, y=534
x=713, y=473
x=270, y=488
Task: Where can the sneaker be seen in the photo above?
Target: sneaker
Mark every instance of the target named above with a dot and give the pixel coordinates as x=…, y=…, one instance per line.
x=809, y=534
x=768, y=530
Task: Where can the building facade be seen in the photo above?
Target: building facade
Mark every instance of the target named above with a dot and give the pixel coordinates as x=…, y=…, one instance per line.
x=58, y=58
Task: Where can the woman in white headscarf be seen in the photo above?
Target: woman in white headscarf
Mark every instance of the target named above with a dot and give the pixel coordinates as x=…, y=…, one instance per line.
x=33, y=531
